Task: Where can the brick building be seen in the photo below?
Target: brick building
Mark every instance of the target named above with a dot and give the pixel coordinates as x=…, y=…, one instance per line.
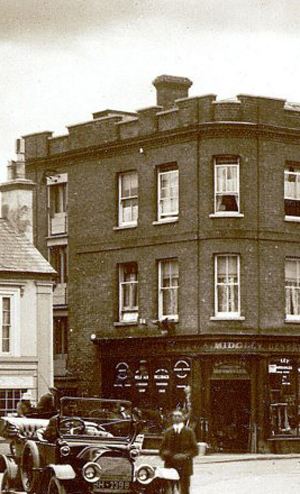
x=175, y=233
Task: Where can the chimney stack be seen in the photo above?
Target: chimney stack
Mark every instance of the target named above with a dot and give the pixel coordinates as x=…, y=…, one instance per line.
x=169, y=88
x=16, y=196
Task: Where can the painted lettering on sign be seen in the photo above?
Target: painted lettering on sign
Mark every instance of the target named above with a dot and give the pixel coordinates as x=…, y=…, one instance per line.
x=252, y=346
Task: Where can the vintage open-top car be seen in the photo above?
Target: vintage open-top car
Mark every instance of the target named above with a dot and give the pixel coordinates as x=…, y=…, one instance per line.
x=91, y=445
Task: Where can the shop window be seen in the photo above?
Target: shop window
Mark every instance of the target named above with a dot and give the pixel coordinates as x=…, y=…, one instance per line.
x=168, y=274
x=8, y=400
x=128, y=292
x=155, y=387
x=128, y=199
x=57, y=204
x=227, y=197
x=227, y=286
x=292, y=289
x=284, y=396
x=168, y=194
x=292, y=193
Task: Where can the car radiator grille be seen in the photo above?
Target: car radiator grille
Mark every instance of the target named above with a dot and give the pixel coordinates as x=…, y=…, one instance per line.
x=114, y=468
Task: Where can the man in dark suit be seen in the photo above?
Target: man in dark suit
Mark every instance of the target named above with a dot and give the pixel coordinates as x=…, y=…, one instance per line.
x=178, y=448
x=48, y=403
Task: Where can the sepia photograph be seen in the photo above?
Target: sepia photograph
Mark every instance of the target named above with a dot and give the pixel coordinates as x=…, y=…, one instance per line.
x=149, y=246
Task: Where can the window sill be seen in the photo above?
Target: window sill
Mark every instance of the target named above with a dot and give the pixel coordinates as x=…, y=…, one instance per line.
x=227, y=318
x=226, y=215
x=293, y=219
x=127, y=323
x=163, y=222
x=125, y=227
x=168, y=319
x=57, y=235
x=292, y=321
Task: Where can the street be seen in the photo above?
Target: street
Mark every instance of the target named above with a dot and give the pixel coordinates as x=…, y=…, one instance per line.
x=217, y=475
x=245, y=477
x=272, y=476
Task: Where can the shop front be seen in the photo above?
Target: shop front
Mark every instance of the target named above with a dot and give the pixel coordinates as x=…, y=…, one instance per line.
x=240, y=394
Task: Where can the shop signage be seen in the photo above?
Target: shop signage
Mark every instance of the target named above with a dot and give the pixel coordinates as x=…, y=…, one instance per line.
x=229, y=368
x=162, y=380
x=182, y=369
x=252, y=346
x=122, y=377
x=142, y=377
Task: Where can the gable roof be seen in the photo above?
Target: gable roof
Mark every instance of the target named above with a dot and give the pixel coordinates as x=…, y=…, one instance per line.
x=17, y=254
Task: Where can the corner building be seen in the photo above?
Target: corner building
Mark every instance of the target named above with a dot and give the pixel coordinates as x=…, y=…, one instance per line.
x=175, y=234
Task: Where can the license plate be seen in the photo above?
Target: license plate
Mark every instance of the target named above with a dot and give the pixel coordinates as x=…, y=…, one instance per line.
x=112, y=485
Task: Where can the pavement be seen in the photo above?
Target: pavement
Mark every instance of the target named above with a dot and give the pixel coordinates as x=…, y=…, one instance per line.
x=223, y=473
x=152, y=457
x=224, y=458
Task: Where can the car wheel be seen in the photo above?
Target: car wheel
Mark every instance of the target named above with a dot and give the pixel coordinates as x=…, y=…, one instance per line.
x=30, y=462
x=55, y=486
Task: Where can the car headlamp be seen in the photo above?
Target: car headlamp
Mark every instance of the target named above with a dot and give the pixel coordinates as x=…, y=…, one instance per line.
x=64, y=450
x=145, y=474
x=91, y=472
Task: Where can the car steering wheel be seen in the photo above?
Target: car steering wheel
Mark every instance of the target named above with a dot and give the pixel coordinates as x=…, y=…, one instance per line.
x=73, y=424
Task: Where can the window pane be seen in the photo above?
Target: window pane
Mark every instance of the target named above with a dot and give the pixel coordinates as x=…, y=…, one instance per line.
x=6, y=321
x=129, y=210
x=128, y=198
x=168, y=203
x=227, y=193
x=227, y=289
x=291, y=270
x=226, y=202
x=292, y=287
x=129, y=185
x=292, y=301
x=9, y=399
x=232, y=267
x=292, y=185
x=170, y=302
x=222, y=298
x=169, y=280
x=128, y=292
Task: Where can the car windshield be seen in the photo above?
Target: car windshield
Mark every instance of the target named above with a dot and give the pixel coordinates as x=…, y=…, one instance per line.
x=96, y=418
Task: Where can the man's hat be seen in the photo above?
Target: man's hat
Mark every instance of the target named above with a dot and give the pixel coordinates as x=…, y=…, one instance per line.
x=26, y=396
x=53, y=389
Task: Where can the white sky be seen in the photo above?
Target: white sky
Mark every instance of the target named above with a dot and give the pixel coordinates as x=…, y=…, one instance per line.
x=61, y=60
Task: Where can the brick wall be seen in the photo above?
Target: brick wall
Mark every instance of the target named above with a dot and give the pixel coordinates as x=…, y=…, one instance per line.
x=261, y=237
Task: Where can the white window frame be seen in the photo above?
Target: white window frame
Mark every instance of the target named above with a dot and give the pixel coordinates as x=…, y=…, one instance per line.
x=161, y=290
x=173, y=215
x=61, y=216
x=127, y=314
x=295, y=173
x=292, y=317
x=233, y=163
x=10, y=402
x=121, y=200
x=227, y=314
x=14, y=296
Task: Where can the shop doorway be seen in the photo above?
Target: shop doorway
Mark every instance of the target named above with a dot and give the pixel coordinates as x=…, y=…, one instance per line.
x=230, y=414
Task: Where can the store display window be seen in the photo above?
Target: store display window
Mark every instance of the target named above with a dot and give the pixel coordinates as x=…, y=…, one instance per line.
x=284, y=383
x=154, y=386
